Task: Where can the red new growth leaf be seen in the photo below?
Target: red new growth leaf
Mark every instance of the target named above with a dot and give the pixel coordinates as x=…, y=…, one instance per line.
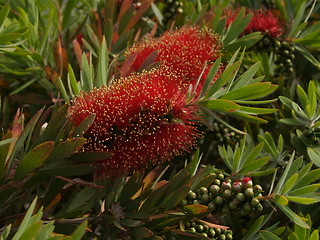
x=142, y=119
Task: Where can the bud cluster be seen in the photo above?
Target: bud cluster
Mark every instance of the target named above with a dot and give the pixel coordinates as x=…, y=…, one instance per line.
x=171, y=7
x=284, y=52
x=225, y=135
x=225, y=195
x=203, y=229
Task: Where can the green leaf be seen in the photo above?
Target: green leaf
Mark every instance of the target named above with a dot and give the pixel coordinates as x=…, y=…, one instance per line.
x=54, y=126
x=253, y=110
x=86, y=73
x=157, y=13
x=80, y=231
x=26, y=220
x=24, y=135
x=263, y=173
x=237, y=26
x=308, y=178
x=248, y=117
x=302, y=96
x=314, y=235
x=5, y=232
x=290, y=183
x=252, y=91
x=256, y=226
x=245, y=78
x=314, y=155
x=212, y=73
x=90, y=156
x=226, y=76
x=297, y=20
x=195, y=162
x=65, y=149
x=175, y=198
x=284, y=176
x=195, y=209
x=291, y=215
x=265, y=235
x=31, y=232
x=301, y=200
x=33, y=159
x=281, y=200
x=246, y=41
x=131, y=187
x=102, y=65
x=72, y=80
x=3, y=15
x=220, y=105
x=82, y=128
x=4, y=149
x=67, y=13
x=255, y=165
x=304, y=190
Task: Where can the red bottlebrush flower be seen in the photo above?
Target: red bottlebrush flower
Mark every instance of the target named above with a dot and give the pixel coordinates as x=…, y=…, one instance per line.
x=185, y=51
x=262, y=21
x=142, y=119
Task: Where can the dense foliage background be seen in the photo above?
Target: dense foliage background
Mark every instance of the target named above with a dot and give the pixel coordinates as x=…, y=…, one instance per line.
x=253, y=172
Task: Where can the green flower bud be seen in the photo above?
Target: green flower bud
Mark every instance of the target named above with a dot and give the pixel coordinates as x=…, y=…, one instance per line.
x=227, y=193
x=225, y=185
x=192, y=229
x=222, y=237
x=211, y=206
x=217, y=182
x=203, y=190
x=187, y=225
x=229, y=236
x=249, y=192
x=257, y=189
x=211, y=233
x=233, y=205
x=196, y=202
x=247, y=207
x=255, y=202
x=220, y=176
x=214, y=189
x=204, y=234
x=184, y=202
x=205, y=197
x=206, y=228
x=240, y=197
x=237, y=186
x=259, y=207
x=218, y=231
x=199, y=228
x=191, y=195
x=218, y=200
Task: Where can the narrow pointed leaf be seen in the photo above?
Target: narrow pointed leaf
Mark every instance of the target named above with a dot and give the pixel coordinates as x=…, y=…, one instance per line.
x=33, y=159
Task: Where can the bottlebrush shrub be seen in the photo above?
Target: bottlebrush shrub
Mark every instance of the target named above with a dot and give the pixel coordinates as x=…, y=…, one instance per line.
x=142, y=119
x=185, y=51
x=262, y=21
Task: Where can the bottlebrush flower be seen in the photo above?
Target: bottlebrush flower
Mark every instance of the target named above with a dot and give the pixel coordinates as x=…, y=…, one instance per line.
x=262, y=21
x=185, y=51
x=142, y=119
